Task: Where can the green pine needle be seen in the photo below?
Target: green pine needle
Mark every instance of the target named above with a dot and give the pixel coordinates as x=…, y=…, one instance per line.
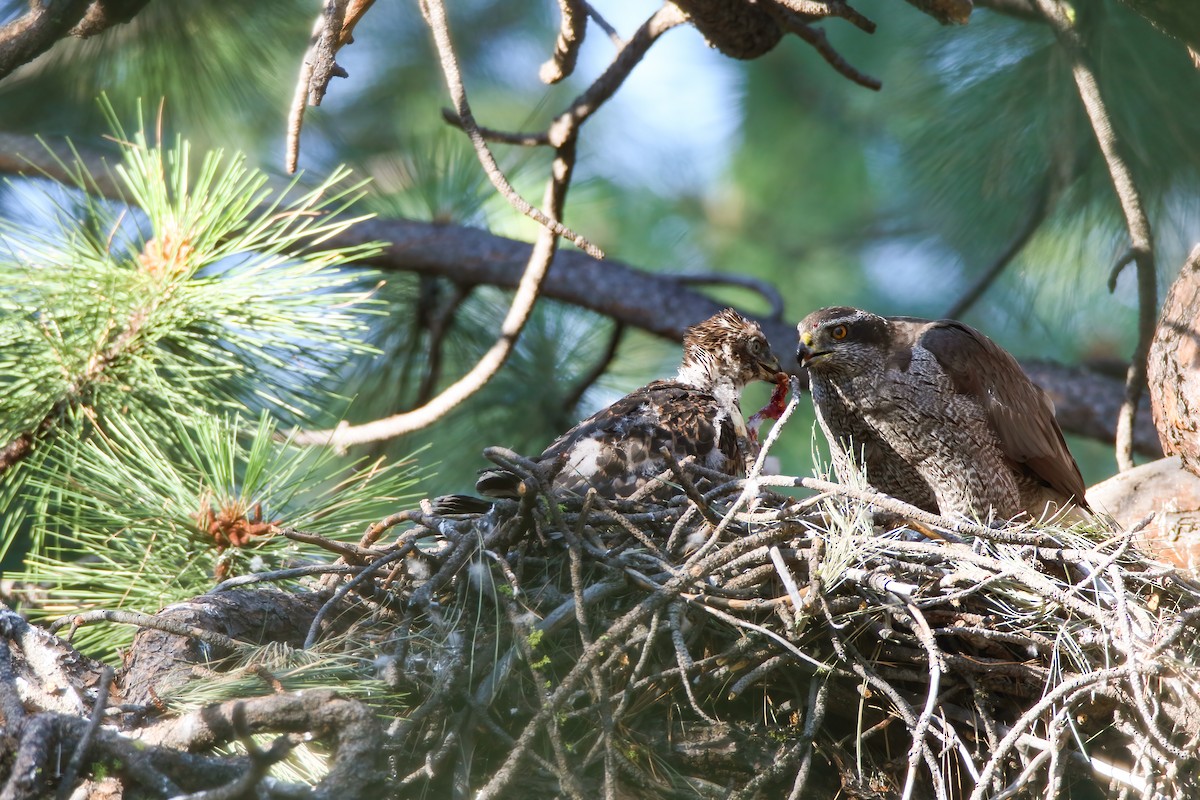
x=203, y=291
x=143, y=519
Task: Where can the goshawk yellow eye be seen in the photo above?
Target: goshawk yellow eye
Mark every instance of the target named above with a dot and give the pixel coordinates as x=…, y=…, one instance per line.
x=839, y=332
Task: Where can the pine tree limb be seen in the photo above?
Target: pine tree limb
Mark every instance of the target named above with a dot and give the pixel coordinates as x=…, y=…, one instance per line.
x=1086, y=402
x=32, y=34
x=1141, y=252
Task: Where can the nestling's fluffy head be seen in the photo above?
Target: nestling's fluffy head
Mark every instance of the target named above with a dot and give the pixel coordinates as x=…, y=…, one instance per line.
x=726, y=348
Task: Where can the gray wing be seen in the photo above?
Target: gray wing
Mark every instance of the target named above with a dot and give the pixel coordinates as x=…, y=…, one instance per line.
x=1019, y=411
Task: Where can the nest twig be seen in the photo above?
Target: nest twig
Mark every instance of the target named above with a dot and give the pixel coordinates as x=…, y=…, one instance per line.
x=735, y=642
x=964, y=667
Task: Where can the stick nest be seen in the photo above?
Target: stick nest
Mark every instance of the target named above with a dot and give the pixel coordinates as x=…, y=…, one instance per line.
x=738, y=643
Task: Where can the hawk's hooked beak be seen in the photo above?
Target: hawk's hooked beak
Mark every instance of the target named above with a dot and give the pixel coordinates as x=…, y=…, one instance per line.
x=805, y=353
x=769, y=368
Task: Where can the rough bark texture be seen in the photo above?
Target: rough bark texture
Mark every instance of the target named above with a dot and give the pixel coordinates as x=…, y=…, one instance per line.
x=48, y=673
x=1166, y=493
x=1174, y=368
x=1086, y=402
x=739, y=30
x=47, y=693
x=159, y=662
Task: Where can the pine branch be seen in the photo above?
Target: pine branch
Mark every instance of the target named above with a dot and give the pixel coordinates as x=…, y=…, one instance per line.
x=32, y=34
x=194, y=502
x=1141, y=249
x=168, y=306
x=1086, y=402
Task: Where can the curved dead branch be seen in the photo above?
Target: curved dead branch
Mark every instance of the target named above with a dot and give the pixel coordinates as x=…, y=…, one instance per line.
x=1141, y=249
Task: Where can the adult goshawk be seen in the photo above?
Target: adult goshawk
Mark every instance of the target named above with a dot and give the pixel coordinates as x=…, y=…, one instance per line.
x=938, y=414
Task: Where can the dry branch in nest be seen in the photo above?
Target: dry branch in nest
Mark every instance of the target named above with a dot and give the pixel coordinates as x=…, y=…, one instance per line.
x=613, y=661
x=724, y=644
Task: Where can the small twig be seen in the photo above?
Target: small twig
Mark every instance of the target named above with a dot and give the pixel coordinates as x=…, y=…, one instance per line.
x=785, y=575
x=439, y=326
x=816, y=37
x=765, y=289
x=344, y=549
x=830, y=8
x=332, y=30
x=528, y=290
x=515, y=138
x=818, y=667
x=435, y=17
x=585, y=662
x=1032, y=714
x=604, y=87
x=566, y=777
x=751, y=486
x=570, y=38
x=285, y=575
x=315, y=628
x=598, y=369
x=84, y=745
x=316, y=70
x=485, y=694
x=1038, y=210
x=683, y=659
x=860, y=667
x=818, y=695
x=900, y=508
x=1136, y=221
x=935, y=677
x=689, y=488
x=599, y=19
x=211, y=638
x=639, y=535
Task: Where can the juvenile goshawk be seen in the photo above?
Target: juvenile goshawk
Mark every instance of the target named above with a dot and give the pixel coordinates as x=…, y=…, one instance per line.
x=938, y=414
x=697, y=414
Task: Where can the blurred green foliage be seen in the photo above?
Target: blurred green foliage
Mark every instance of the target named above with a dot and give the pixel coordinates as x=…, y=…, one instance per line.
x=894, y=200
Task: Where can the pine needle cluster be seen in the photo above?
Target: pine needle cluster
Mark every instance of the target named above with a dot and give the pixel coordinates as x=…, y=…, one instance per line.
x=165, y=312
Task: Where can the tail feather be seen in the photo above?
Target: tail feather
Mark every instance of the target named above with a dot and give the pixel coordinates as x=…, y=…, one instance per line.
x=450, y=505
x=497, y=482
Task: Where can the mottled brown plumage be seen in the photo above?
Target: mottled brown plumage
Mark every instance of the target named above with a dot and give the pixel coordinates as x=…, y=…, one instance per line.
x=938, y=414
x=696, y=414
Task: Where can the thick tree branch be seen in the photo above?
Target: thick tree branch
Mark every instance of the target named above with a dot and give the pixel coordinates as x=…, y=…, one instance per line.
x=1141, y=251
x=32, y=34
x=355, y=771
x=1086, y=401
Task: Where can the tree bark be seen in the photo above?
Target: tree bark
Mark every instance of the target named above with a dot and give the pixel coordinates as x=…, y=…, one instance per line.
x=1174, y=367
x=1086, y=402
